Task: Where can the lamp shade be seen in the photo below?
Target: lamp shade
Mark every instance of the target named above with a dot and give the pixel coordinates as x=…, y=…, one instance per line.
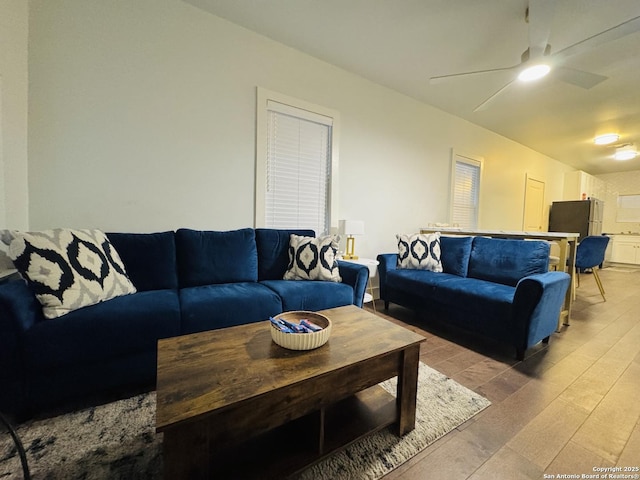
x=352, y=227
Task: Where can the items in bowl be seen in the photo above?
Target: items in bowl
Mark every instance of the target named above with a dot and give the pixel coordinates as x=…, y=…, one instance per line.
x=304, y=326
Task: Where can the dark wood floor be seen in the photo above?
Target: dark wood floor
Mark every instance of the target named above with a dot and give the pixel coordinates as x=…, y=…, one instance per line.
x=569, y=407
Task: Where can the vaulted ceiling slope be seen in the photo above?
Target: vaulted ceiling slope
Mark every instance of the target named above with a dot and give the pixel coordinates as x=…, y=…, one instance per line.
x=403, y=43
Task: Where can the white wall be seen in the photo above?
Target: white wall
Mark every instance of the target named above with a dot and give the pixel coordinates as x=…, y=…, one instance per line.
x=623, y=183
x=13, y=113
x=142, y=118
x=3, y=188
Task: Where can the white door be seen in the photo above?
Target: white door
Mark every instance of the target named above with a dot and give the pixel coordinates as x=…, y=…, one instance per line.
x=533, y=205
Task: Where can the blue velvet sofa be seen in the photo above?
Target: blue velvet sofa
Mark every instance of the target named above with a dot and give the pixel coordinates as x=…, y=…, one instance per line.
x=497, y=288
x=187, y=281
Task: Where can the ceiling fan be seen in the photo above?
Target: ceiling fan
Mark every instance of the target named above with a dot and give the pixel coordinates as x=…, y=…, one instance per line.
x=538, y=60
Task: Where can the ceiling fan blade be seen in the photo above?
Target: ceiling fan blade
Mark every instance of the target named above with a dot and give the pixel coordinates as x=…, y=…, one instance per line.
x=613, y=33
x=539, y=16
x=442, y=78
x=485, y=104
x=579, y=78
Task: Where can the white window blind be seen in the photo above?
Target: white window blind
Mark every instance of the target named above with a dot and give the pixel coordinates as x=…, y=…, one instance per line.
x=298, y=169
x=466, y=192
x=628, y=209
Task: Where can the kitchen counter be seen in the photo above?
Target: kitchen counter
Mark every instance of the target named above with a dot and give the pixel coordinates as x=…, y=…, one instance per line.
x=625, y=247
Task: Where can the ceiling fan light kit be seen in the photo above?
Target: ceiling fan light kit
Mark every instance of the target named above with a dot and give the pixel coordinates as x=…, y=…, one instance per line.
x=606, y=139
x=534, y=72
x=536, y=59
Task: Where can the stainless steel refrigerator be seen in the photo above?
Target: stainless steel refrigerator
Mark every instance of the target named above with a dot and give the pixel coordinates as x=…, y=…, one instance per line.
x=579, y=216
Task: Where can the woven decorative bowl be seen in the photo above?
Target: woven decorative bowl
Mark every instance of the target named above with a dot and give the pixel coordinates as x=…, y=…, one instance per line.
x=302, y=341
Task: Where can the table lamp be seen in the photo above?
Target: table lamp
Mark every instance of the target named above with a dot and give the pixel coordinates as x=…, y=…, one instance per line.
x=351, y=228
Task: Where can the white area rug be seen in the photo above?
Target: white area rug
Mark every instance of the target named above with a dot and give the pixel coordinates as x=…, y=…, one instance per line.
x=117, y=441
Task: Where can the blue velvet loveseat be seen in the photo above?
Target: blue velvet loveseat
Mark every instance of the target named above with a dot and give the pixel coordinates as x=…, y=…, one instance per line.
x=186, y=281
x=497, y=288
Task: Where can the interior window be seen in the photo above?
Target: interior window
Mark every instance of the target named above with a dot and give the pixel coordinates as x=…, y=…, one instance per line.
x=296, y=165
x=465, y=191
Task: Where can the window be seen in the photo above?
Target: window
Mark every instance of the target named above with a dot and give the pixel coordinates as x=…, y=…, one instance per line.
x=296, y=164
x=628, y=209
x=465, y=191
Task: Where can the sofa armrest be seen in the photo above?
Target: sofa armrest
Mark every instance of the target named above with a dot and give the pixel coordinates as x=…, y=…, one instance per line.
x=357, y=276
x=19, y=311
x=388, y=262
x=19, y=308
x=537, y=304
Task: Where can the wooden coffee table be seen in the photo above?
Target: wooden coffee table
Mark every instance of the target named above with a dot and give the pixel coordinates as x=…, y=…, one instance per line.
x=232, y=403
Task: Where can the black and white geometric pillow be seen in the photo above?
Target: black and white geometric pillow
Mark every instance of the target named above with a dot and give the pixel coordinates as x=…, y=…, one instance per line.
x=69, y=269
x=313, y=258
x=419, y=251
x=6, y=237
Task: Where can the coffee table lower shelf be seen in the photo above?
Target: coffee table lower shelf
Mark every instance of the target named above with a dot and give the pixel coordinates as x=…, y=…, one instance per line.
x=300, y=443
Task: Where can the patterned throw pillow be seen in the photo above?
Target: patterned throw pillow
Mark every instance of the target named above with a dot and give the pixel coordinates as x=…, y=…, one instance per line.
x=6, y=236
x=419, y=251
x=313, y=258
x=69, y=269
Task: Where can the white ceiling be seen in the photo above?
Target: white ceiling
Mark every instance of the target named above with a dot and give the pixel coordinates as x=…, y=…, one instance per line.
x=402, y=43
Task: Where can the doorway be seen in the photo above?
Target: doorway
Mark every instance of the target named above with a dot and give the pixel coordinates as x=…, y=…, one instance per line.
x=533, y=205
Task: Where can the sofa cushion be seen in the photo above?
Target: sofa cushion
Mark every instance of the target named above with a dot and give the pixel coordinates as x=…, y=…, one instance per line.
x=103, y=379
x=95, y=334
x=479, y=299
x=419, y=251
x=210, y=307
x=208, y=257
x=273, y=251
x=455, y=253
x=417, y=282
x=313, y=258
x=150, y=258
x=311, y=295
x=69, y=269
x=507, y=261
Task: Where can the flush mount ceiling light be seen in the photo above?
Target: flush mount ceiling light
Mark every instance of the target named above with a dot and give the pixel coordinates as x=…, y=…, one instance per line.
x=534, y=72
x=625, y=152
x=606, y=139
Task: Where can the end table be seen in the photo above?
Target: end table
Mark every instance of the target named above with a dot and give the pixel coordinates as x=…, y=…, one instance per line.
x=372, y=265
